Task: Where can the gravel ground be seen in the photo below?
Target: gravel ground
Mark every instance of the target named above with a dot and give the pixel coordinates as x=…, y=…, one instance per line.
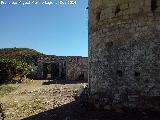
x=28, y=99
x=44, y=100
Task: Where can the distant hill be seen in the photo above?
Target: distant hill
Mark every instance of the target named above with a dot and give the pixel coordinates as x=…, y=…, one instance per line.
x=30, y=56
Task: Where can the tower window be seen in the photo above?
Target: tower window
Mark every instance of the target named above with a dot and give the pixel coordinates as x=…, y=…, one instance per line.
x=137, y=74
x=153, y=5
x=98, y=16
x=119, y=73
x=109, y=44
x=117, y=10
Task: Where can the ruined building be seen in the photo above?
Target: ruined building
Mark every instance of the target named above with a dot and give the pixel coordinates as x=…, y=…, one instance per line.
x=64, y=68
x=124, y=53
x=77, y=68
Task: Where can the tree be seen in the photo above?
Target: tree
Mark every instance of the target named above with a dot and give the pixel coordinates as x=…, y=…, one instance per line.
x=14, y=68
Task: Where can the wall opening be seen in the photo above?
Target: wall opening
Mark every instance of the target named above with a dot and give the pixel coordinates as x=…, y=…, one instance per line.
x=109, y=44
x=137, y=74
x=117, y=9
x=153, y=5
x=98, y=16
x=81, y=76
x=119, y=73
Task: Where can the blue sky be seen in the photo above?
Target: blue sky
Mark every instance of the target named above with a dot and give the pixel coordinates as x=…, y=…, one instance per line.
x=55, y=30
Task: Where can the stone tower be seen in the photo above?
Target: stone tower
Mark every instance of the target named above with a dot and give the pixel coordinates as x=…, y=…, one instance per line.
x=124, y=52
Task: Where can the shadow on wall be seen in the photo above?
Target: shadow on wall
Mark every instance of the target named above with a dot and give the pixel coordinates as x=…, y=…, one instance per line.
x=63, y=82
x=75, y=111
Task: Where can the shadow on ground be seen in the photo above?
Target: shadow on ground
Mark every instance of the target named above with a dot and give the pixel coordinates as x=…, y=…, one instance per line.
x=74, y=111
x=48, y=82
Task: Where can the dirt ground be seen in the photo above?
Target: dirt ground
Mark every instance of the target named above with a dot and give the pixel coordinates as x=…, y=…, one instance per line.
x=53, y=100
x=27, y=99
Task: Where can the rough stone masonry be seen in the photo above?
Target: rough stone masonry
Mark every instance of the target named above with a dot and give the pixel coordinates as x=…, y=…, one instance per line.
x=124, y=53
x=67, y=68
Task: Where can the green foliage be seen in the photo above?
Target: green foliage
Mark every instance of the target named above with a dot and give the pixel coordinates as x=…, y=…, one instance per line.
x=26, y=55
x=14, y=67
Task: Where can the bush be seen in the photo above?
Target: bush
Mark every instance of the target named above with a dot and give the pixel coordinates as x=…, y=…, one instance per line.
x=14, y=68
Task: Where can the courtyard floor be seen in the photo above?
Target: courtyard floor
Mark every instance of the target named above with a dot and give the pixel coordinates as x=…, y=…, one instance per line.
x=54, y=100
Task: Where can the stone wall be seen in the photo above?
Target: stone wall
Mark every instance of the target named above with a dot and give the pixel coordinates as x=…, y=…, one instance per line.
x=124, y=52
x=69, y=68
x=39, y=71
x=57, y=70
x=77, y=68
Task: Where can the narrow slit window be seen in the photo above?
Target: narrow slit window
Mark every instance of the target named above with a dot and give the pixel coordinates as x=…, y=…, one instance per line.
x=98, y=16
x=137, y=74
x=119, y=73
x=109, y=44
x=117, y=9
x=153, y=5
